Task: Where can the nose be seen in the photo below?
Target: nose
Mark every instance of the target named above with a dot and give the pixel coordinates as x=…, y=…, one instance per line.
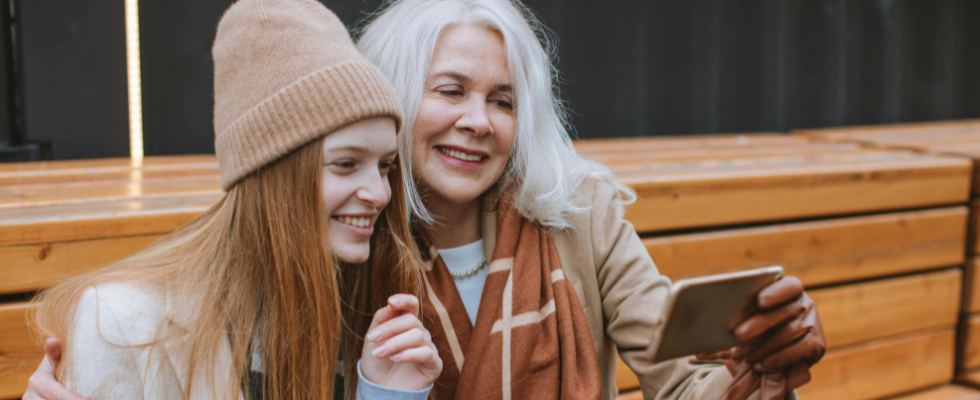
x=474, y=119
x=374, y=191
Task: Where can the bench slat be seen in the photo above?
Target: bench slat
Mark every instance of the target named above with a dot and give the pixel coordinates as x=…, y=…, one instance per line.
x=970, y=342
x=655, y=143
x=59, y=166
x=944, y=392
x=68, y=193
x=626, y=157
x=19, y=354
x=33, y=267
x=872, y=132
x=884, y=308
x=62, y=223
x=885, y=367
x=821, y=252
x=693, y=196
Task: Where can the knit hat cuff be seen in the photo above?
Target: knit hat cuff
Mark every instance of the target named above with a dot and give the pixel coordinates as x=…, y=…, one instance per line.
x=311, y=107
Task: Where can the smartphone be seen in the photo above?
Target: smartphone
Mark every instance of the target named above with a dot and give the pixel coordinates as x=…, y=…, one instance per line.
x=701, y=314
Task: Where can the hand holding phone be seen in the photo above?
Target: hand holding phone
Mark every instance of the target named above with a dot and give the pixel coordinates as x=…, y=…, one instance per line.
x=701, y=314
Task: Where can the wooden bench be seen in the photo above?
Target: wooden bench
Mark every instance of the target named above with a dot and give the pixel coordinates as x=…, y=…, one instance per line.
x=900, y=256
x=951, y=138
x=64, y=218
x=807, y=205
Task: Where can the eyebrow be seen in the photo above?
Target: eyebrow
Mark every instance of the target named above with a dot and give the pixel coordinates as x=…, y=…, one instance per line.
x=464, y=79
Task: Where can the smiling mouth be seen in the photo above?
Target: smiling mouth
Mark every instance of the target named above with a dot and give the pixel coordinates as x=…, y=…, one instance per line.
x=360, y=222
x=459, y=155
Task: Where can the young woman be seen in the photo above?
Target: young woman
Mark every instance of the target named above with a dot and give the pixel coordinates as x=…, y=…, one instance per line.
x=244, y=301
x=492, y=176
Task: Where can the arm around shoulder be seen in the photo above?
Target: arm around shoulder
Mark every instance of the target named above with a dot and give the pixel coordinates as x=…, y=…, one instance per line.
x=107, y=356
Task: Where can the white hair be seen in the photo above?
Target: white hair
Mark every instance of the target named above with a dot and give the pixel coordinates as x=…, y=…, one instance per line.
x=401, y=38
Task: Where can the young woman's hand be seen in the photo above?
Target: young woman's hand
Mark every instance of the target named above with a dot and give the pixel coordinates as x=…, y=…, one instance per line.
x=398, y=351
x=42, y=385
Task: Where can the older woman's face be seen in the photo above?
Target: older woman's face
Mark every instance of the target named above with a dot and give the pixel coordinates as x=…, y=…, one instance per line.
x=464, y=130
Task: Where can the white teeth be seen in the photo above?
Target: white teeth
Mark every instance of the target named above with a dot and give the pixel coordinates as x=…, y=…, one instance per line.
x=460, y=155
x=360, y=222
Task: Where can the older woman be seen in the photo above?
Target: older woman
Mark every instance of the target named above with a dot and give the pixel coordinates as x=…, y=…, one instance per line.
x=492, y=176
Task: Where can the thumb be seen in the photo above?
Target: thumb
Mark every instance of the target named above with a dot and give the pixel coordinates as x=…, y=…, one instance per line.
x=52, y=347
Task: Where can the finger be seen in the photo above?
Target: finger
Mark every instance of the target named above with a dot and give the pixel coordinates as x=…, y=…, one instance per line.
x=52, y=347
x=394, y=327
x=405, y=303
x=780, y=292
x=762, y=322
x=401, y=342
x=783, y=336
x=421, y=355
x=43, y=385
x=804, y=349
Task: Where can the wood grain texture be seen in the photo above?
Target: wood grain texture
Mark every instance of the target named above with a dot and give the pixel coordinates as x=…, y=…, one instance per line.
x=699, y=194
x=973, y=244
x=59, y=172
x=25, y=196
x=944, y=392
x=884, y=308
x=627, y=157
x=33, y=267
x=885, y=367
x=969, y=378
x=19, y=354
x=875, y=133
x=99, y=220
x=821, y=252
x=971, y=286
x=652, y=143
x=969, y=342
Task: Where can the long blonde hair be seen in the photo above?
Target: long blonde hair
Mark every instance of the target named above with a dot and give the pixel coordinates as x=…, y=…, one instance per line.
x=255, y=269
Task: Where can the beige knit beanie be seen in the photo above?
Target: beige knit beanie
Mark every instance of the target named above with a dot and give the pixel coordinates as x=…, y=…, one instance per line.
x=286, y=73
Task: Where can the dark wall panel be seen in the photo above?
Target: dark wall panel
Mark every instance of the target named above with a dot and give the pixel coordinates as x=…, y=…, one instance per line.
x=660, y=67
x=175, y=44
x=72, y=74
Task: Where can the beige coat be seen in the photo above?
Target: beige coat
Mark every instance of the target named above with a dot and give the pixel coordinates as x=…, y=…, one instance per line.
x=622, y=294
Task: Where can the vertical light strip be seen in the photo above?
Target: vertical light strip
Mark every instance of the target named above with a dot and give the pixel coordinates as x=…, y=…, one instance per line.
x=135, y=94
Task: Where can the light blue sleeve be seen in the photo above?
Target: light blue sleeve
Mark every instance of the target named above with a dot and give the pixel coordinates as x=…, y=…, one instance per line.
x=370, y=391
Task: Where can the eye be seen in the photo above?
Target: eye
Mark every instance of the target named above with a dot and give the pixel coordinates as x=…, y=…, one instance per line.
x=450, y=91
x=387, y=167
x=504, y=104
x=346, y=164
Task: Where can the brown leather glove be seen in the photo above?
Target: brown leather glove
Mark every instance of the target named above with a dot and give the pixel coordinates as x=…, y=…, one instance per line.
x=782, y=341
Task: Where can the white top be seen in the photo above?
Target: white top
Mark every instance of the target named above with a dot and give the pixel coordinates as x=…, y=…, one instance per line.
x=461, y=259
x=114, y=315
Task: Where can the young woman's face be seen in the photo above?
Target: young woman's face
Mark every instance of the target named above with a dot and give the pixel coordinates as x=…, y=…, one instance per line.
x=356, y=162
x=464, y=130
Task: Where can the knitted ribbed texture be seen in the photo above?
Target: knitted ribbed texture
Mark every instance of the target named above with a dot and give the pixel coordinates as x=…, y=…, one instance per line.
x=286, y=73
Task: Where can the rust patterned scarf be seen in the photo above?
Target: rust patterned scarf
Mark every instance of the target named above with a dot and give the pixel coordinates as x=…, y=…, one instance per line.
x=531, y=339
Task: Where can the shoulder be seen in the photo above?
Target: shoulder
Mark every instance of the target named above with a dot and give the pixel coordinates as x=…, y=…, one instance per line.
x=597, y=200
x=120, y=313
